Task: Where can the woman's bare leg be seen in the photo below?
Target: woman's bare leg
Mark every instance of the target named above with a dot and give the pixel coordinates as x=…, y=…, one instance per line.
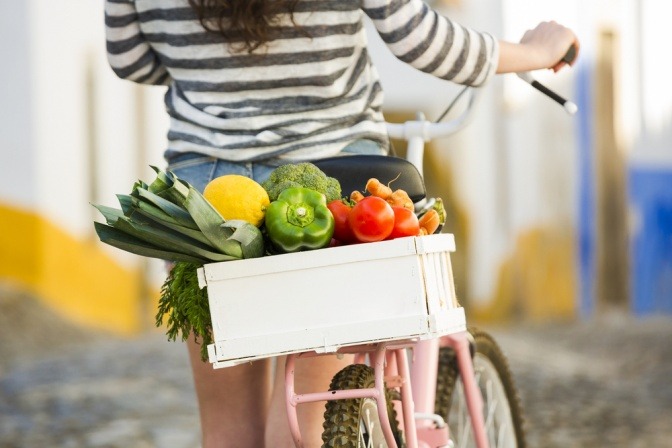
x=310, y=375
x=233, y=402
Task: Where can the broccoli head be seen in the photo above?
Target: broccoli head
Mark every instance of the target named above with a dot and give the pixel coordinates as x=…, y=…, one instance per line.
x=304, y=174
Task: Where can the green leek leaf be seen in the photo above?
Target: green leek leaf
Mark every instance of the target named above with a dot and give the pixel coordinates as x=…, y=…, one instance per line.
x=149, y=209
x=210, y=222
x=110, y=214
x=176, y=192
x=179, y=214
x=121, y=240
x=169, y=240
x=248, y=236
x=160, y=183
x=191, y=233
x=126, y=203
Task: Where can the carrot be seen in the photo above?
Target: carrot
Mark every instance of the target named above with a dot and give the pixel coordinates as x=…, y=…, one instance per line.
x=356, y=196
x=400, y=199
x=429, y=222
x=376, y=188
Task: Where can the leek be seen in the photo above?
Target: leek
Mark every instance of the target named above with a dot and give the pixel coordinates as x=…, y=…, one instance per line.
x=170, y=219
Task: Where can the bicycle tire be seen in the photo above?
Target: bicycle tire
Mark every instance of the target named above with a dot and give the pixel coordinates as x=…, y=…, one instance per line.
x=497, y=386
x=347, y=423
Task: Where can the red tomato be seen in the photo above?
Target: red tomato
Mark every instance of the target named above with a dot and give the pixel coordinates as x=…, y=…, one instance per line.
x=405, y=223
x=342, y=231
x=371, y=219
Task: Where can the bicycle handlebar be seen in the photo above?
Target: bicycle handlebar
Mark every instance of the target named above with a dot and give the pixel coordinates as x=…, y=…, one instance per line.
x=568, y=58
x=570, y=107
x=417, y=132
x=423, y=129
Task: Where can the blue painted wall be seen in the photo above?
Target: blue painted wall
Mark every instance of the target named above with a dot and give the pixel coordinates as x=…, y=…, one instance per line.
x=586, y=191
x=650, y=198
x=650, y=195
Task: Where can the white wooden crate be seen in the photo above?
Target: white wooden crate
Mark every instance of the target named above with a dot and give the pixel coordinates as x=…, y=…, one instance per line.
x=329, y=298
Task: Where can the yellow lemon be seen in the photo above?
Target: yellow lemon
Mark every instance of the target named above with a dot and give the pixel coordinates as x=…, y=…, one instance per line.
x=238, y=197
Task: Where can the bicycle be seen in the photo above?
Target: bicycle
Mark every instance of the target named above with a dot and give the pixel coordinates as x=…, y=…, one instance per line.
x=458, y=390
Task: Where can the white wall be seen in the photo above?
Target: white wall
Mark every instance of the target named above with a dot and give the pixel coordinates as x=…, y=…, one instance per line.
x=72, y=80
x=62, y=106
x=17, y=179
x=540, y=135
x=652, y=145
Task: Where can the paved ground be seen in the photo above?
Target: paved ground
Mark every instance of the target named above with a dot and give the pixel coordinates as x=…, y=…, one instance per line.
x=606, y=384
x=594, y=384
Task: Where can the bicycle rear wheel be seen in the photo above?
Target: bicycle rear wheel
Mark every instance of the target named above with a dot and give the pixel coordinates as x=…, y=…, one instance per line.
x=354, y=423
x=502, y=411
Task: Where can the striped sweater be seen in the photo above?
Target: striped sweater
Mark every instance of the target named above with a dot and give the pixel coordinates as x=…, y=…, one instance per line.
x=301, y=96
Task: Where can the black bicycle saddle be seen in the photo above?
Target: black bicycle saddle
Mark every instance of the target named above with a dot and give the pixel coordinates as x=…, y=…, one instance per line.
x=354, y=171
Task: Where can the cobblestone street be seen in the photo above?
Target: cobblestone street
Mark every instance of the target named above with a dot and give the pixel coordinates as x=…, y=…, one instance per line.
x=594, y=384
x=585, y=384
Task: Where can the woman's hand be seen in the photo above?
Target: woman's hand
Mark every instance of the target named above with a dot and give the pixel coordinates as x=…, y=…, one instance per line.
x=550, y=41
x=541, y=47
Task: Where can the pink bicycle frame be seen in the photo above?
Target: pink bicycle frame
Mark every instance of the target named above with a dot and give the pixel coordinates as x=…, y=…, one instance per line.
x=417, y=387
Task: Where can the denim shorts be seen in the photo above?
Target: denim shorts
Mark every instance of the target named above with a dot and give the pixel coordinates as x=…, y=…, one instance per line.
x=199, y=169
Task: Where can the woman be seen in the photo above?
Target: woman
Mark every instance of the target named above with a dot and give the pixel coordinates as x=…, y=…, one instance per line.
x=253, y=84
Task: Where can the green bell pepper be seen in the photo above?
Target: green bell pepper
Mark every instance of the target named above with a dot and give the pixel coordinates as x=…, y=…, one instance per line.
x=299, y=220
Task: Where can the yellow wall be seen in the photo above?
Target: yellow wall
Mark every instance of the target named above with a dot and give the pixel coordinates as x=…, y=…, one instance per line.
x=537, y=281
x=73, y=276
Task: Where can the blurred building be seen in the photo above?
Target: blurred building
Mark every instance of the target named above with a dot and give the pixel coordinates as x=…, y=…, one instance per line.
x=71, y=134
x=555, y=215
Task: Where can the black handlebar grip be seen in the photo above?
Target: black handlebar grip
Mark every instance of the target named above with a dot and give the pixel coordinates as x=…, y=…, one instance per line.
x=570, y=55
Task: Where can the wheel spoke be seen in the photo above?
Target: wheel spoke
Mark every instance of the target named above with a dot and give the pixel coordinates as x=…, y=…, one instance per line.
x=490, y=407
x=501, y=437
x=465, y=433
x=370, y=427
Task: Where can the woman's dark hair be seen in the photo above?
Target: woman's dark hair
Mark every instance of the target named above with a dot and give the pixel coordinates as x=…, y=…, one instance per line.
x=249, y=20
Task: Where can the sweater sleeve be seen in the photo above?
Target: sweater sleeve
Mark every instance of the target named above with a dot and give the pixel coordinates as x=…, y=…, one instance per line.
x=421, y=37
x=128, y=52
